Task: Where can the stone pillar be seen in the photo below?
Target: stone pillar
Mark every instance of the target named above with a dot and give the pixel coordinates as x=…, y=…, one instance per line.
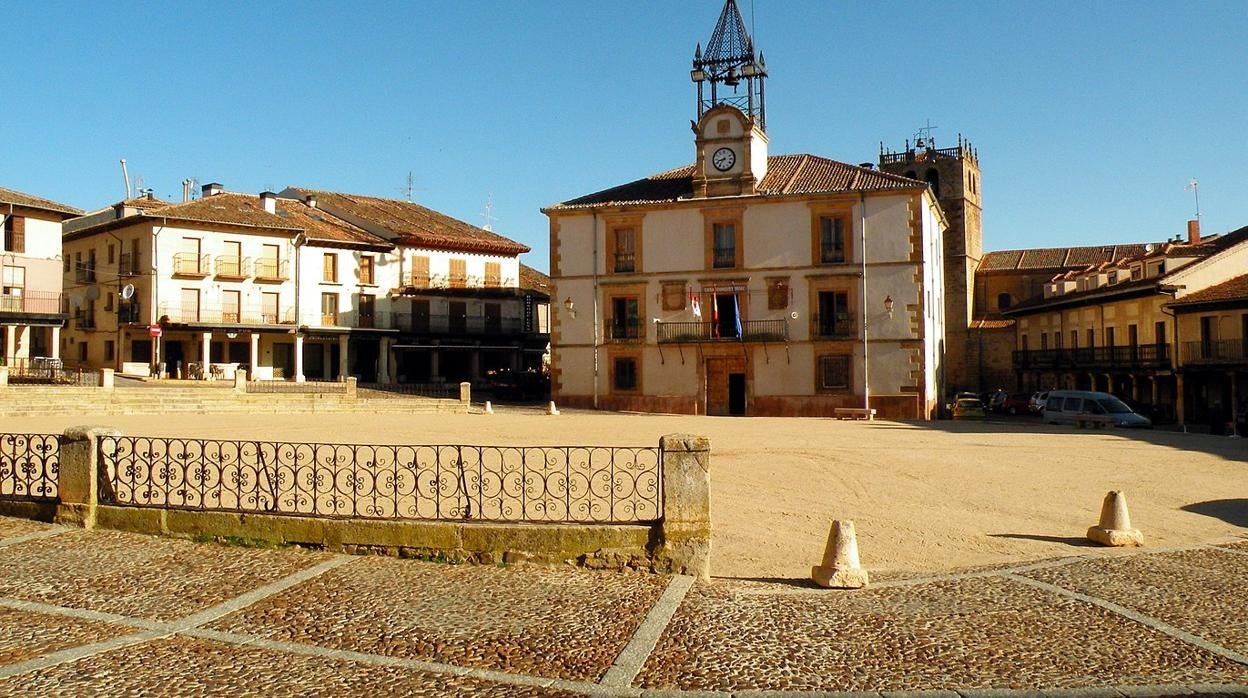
x=1135, y=387
x=1180, y=412
x=516, y=360
x=343, y=364
x=686, y=525
x=4, y=376
x=255, y=354
x=352, y=389
x=435, y=371
x=299, y=378
x=383, y=361
x=1155, y=391
x=10, y=342
x=56, y=343
x=106, y=378
x=474, y=370
x=23, y=342
x=205, y=353
x=78, y=479
x=465, y=392
x=240, y=380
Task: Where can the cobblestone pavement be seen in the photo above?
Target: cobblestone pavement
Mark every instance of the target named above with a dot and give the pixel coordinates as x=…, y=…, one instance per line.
x=108, y=613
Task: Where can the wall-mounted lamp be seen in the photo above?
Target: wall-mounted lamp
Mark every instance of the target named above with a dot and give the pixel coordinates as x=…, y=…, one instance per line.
x=569, y=306
x=888, y=305
x=231, y=335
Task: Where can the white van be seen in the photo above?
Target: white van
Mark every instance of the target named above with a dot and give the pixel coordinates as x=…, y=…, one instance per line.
x=1067, y=406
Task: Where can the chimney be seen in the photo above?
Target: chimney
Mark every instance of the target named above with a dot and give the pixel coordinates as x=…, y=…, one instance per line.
x=310, y=200
x=269, y=201
x=1193, y=232
x=211, y=189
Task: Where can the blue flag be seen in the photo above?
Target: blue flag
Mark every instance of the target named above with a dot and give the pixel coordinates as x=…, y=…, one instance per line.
x=736, y=307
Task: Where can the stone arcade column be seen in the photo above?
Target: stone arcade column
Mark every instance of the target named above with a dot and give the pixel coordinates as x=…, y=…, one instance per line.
x=1180, y=408
x=10, y=342
x=205, y=353
x=299, y=378
x=255, y=355
x=55, y=349
x=686, y=527
x=383, y=360
x=343, y=364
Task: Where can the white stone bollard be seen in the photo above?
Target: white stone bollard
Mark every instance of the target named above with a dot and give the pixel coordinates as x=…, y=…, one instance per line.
x=841, y=568
x=489, y=409
x=1115, y=527
x=552, y=409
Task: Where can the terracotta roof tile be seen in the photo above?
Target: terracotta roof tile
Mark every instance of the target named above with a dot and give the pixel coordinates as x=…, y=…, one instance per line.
x=1235, y=289
x=991, y=322
x=1058, y=258
x=324, y=227
x=407, y=223
x=145, y=202
x=17, y=198
x=228, y=208
x=786, y=174
x=534, y=280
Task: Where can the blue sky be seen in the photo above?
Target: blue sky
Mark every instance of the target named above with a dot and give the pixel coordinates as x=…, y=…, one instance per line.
x=1090, y=118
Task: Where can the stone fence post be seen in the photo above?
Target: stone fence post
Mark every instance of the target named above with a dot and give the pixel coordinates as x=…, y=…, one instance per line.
x=106, y=378
x=686, y=526
x=352, y=389
x=240, y=381
x=78, y=476
x=465, y=392
x=4, y=376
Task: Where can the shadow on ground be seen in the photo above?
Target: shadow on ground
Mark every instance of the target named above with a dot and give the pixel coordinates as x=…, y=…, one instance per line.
x=1065, y=540
x=1232, y=511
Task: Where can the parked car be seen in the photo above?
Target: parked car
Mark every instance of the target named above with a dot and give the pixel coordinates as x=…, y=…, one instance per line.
x=1015, y=403
x=969, y=408
x=1074, y=406
x=1035, y=404
x=993, y=400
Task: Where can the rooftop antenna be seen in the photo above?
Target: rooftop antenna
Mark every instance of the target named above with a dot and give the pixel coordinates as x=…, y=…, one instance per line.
x=1194, y=186
x=488, y=213
x=924, y=137
x=126, y=176
x=410, y=188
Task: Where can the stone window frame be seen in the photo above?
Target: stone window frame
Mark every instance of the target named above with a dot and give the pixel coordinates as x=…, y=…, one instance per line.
x=613, y=378
x=842, y=210
x=723, y=215
x=614, y=226
x=837, y=283
x=820, y=373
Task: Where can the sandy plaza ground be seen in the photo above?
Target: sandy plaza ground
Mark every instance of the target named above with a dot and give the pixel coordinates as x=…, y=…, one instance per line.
x=925, y=496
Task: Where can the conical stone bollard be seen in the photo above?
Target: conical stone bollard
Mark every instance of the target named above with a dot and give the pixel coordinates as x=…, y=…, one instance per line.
x=552, y=409
x=840, y=568
x=1115, y=527
x=489, y=408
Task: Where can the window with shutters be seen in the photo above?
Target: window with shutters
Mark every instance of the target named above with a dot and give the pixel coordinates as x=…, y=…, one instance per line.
x=329, y=309
x=834, y=373
x=329, y=266
x=493, y=274
x=458, y=277
x=367, y=270
x=418, y=277
x=15, y=234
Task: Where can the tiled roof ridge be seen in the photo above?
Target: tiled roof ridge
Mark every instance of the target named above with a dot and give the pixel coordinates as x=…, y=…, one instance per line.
x=19, y=198
x=1232, y=289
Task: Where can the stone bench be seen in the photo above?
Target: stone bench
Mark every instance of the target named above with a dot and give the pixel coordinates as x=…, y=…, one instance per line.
x=854, y=413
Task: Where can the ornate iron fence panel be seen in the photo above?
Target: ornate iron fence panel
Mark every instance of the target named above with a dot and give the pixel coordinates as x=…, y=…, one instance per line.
x=29, y=465
x=283, y=386
x=577, y=484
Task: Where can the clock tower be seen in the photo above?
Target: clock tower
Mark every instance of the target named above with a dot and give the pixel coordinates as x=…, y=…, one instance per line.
x=730, y=134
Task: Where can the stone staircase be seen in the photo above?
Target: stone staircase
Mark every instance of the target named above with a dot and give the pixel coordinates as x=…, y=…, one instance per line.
x=27, y=400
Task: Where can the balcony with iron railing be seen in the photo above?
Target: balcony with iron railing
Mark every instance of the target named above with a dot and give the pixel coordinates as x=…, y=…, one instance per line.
x=751, y=331
x=190, y=264
x=724, y=257
x=232, y=267
x=272, y=270
x=838, y=326
x=416, y=279
x=84, y=320
x=32, y=303
x=624, y=331
x=1216, y=351
x=128, y=264
x=130, y=313
x=226, y=315
x=84, y=273
x=1138, y=356
x=452, y=325
x=625, y=262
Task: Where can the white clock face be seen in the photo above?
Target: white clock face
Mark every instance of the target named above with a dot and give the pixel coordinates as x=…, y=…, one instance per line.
x=724, y=159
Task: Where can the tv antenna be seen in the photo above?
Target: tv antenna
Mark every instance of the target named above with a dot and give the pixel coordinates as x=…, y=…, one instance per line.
x=1194, y=187
x=923, y=137
x=410, y=188
x=488, y=213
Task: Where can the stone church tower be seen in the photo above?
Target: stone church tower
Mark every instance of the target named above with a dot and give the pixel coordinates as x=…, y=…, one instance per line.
x=953, y=174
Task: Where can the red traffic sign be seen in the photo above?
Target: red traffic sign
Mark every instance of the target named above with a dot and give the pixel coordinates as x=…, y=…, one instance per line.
x=154, y=330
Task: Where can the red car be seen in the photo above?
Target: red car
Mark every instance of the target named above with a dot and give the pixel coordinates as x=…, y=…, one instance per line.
x=1015, y=403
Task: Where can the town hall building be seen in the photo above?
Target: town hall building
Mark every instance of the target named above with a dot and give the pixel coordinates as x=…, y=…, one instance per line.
x=748, y=283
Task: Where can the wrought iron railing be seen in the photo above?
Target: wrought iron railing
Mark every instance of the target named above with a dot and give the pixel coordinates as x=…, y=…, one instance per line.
x=1139, y=356
x=32, y=302
x=461, y=483
x=84, y=273
x=130, y=312
x=283, y=386
x=441, y=391
x=271, y=270
x=128, y=264
x=625, y=262
x=45, y=370
x=624, y=330
x=190, y=264
x=751, y=331
x=29, y=464
x=249, y=314
x=420, y=323
x=724, y=257
x=232, y=267
x=838, y=326
x=1215, y=351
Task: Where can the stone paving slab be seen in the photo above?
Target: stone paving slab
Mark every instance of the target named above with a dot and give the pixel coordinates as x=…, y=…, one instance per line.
x=566, y=624
x=25, y=635
x=974, y=633
x=11, y=527
x=139, y=576
x=182, y=666
x=1204, y=592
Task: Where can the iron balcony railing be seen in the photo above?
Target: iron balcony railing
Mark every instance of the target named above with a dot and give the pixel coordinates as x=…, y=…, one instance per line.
x=46, y=370
x=909, y=155
x=420, y=323
x=84, y=273
x=227, y=315
x=232, y=267
x=570, y=484
x=1139, y=356
x=724, y=257
x=33, y=302
x=625, y=262
x=272, y=270
x=128, y=264
x=419, y=279
x=190, y=264
x=84, y=320
x=838, y=326
x=624, y=331
x=751, y=331
x=130, y=313
x=1215, y=351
